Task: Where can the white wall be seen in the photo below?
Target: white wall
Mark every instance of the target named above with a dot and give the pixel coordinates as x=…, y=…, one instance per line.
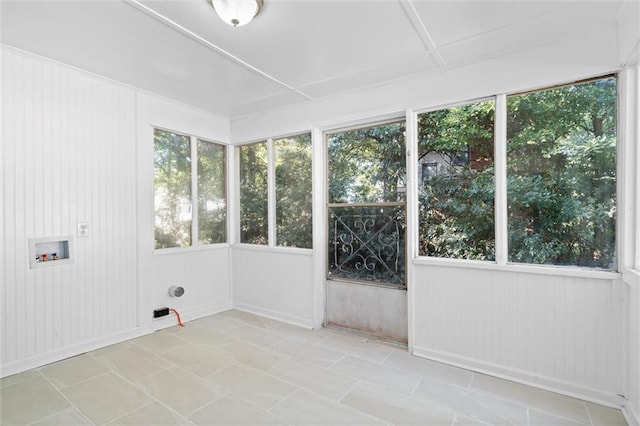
x=79, y=148
x=632, y=373
x=274, y=282
x=203, y=271
x=630, y=212
x=562, y=333
x=68, y=155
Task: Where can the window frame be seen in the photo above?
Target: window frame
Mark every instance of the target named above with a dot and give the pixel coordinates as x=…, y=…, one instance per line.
x=193, y=147
x=501, y=262
x=272, y=242
x=476, y=101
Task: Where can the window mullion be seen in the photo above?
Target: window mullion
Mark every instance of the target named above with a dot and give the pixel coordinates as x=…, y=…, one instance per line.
x=271, y=205
x=500, y=147
x=194, y=191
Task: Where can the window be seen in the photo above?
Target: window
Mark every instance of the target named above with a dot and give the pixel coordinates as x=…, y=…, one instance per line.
x=212, y=193
x=293, y=191
x=172, y=189
x=561, y=172
x=289, y=161
x=456, y=186
x=254, y=191
x=175, y=192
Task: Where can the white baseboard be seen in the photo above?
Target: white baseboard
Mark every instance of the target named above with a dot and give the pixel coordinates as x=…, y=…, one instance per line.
x=631, y=416
x=524, y=377
x=83, y=347
x=278, y=316
x=39, y=360
x=190, y=315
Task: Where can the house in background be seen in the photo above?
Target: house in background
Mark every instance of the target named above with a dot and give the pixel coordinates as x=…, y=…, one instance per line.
x=87, y=86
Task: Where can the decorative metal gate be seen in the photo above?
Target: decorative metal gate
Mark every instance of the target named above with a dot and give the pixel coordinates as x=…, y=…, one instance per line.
x=367, y=243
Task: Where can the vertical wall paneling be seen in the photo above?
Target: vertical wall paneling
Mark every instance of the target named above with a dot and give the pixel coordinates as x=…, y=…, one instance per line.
x=203, y=271
x=276, y=283
x=563, y=333
x=68, y=156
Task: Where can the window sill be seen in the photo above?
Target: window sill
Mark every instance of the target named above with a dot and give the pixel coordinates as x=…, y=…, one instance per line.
x=191, y=249
x=563, y=271
x=273, y=249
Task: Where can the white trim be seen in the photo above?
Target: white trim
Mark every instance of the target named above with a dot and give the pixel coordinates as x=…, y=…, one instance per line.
x=190, y=249
x=631, y=277
x=631, y=416
x=559, y=271
x=271, y=194
x=191, y=314
x=412, y=214
x=94, y=344
x=275, y=315
x=319, y=235
x=524, y=377
x=360, y=120
x=45, y=358
x=193, y=145
x=275, y=249
x=500, y=213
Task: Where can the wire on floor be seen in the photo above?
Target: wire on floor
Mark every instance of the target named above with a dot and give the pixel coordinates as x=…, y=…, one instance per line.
x=178, y=315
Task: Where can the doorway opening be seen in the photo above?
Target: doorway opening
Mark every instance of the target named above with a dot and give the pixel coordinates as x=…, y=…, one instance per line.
x=366, y=229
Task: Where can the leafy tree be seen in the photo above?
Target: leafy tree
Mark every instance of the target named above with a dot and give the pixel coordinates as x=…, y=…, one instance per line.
x=212, y=200
x=172, y=189
x=254, y=194
x=456, y=216
x=562, y=175
x=365, y=165
x=293, y=191
x=367, y=242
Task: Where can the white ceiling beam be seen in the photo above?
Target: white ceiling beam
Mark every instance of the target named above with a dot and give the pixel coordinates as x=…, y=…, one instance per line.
x=413, y=16
x=163, y=19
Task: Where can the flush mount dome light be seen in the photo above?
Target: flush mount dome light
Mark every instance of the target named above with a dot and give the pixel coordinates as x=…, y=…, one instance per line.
x=237, y=12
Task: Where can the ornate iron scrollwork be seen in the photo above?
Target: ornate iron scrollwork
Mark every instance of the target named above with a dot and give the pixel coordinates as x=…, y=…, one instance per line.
x=367, y=244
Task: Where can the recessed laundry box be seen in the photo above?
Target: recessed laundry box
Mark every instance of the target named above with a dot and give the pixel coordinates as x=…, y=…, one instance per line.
x=50, y=251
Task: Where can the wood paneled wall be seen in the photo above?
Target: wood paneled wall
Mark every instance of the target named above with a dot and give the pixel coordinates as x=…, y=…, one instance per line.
x=67, y=156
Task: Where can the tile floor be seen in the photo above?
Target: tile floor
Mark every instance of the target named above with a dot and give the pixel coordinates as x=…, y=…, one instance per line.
x=235, y=368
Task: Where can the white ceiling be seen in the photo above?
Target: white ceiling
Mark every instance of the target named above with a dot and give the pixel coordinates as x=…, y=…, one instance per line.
x=295, y=50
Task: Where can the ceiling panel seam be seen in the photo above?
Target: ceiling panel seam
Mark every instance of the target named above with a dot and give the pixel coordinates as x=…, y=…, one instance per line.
x=163, y=19
x=413, y=16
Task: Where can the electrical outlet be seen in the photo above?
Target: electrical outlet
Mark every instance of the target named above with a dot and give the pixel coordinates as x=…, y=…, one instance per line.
x=83, y=229
x=162, y=312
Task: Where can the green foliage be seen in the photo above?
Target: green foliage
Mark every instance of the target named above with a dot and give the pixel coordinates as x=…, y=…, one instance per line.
x=561, y=178
x=562, y=175
x=254, y=194
x=172, y=189
x=293, y=191
x=365, y=165
x=212, y=199
x=456, y=216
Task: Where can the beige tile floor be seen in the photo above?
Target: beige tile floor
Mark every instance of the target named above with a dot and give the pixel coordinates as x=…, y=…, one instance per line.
x=235, y=368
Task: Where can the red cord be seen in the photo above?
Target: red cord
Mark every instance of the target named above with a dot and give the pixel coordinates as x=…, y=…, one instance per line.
x=178, y=315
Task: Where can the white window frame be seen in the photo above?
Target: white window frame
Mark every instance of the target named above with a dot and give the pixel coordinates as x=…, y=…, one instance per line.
x=272, y=242
x=193, y=146
x=501, y=262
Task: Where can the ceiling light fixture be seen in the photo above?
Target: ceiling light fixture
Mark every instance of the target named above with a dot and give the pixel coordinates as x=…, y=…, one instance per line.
x=237, y=12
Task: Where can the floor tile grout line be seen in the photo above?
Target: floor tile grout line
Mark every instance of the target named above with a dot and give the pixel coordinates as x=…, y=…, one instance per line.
x=485, y=396
x=69, y=401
